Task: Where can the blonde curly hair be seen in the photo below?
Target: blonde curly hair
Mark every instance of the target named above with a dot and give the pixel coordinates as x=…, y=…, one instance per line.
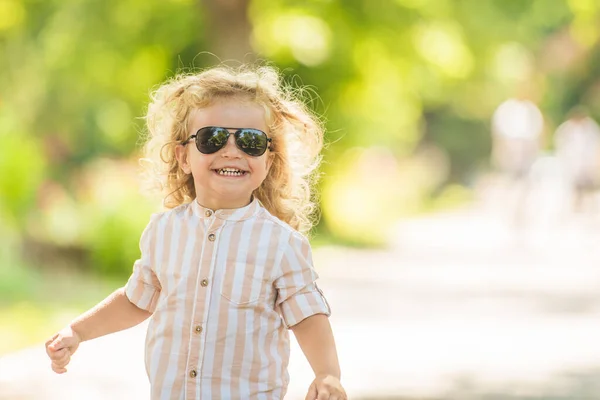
x=297, y=136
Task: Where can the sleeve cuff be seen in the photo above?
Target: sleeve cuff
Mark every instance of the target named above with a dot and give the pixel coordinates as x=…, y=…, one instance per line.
x=303, y=305
x=142, y=295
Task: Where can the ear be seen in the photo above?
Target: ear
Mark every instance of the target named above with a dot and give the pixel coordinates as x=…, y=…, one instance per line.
x=182, y=158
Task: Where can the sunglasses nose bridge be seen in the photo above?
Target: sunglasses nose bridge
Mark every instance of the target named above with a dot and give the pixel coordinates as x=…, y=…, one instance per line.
x=230, y=148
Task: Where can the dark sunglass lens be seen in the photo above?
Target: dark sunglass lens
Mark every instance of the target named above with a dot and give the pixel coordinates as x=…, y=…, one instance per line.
x=253, y=142
x=211, y=140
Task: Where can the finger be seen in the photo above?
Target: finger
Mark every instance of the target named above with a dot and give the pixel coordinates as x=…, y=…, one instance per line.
x=51, y=339
x=60, y=365
x=58, y=370
x=48, y=342
x=57, y=355
x=337, y=394
x=323, y=394
x=64, y=360
x=62, y=343
x=57, y=344
x=312, y=392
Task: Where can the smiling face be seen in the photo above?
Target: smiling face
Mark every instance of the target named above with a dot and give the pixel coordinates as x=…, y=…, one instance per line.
x=227, y=178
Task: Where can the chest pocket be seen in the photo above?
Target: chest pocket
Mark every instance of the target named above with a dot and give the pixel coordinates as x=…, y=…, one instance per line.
x=244, y=284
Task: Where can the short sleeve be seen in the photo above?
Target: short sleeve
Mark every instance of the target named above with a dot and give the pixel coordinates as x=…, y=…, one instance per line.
x=298, y=296
x=143, y=287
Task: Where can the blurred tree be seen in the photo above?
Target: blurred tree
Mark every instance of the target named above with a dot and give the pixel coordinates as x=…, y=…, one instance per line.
x=418, y=78
x=228, y=29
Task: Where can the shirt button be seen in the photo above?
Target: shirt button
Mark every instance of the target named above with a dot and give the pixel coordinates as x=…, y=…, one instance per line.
x=208, y=213
x=193, y=373
x=211, y=237
x=198, y=329
x=204, y=282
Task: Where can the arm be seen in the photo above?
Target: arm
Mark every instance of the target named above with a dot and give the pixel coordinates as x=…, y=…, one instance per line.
x=122, y=309
x=316, y=340
x=113, y=314
x=304, y=310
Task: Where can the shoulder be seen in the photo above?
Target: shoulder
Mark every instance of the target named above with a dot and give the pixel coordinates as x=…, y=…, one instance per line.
x=182, y=211
x=282, y=229
x=277, y=224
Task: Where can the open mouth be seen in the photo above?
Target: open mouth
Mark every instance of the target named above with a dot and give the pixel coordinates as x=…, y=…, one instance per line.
x=230, y=172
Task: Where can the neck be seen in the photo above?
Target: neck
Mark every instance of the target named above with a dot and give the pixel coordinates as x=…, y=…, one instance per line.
x=222, y=204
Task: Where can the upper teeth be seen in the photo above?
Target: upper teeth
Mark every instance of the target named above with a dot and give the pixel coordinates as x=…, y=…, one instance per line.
x=229, y=171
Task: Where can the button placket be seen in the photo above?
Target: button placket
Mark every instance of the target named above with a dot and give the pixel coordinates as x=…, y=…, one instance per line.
x=203, y=290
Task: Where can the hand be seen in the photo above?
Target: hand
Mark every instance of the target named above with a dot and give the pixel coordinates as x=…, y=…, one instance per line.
x=326, y=387
x=61, y=347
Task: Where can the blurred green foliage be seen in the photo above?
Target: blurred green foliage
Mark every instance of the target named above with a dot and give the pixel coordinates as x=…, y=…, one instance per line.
x=407, y=88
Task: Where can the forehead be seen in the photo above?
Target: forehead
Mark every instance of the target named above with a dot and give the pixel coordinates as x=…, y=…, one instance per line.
x=230, y=113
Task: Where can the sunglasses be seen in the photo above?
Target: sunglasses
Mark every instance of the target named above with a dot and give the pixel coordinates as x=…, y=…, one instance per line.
x=211, y=139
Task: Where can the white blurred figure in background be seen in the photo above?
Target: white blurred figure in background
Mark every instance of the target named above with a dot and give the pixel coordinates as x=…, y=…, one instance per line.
x=577, y=144
x=517, y=128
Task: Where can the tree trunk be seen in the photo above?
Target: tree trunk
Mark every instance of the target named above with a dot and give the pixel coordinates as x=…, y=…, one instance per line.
x=228, y=30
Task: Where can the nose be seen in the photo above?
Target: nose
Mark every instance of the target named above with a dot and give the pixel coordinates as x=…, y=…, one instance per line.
x=230, y=150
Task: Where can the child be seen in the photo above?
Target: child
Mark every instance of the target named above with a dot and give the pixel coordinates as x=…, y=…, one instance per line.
x=226, y=271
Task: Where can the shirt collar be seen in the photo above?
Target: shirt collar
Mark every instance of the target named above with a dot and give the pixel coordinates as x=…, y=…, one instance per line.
x=231, y=214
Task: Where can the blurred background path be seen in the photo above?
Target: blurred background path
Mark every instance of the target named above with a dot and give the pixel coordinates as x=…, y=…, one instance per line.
x=463, y=306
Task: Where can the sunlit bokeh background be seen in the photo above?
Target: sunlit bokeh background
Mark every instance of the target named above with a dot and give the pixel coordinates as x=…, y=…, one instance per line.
x=408, y=90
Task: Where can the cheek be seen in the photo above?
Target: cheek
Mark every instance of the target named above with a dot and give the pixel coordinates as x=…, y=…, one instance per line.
x=266, y=166
x=199, y=161
x=260, y=170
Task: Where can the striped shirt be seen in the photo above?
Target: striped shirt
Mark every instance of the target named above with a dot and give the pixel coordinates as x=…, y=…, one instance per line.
x=224, y=287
